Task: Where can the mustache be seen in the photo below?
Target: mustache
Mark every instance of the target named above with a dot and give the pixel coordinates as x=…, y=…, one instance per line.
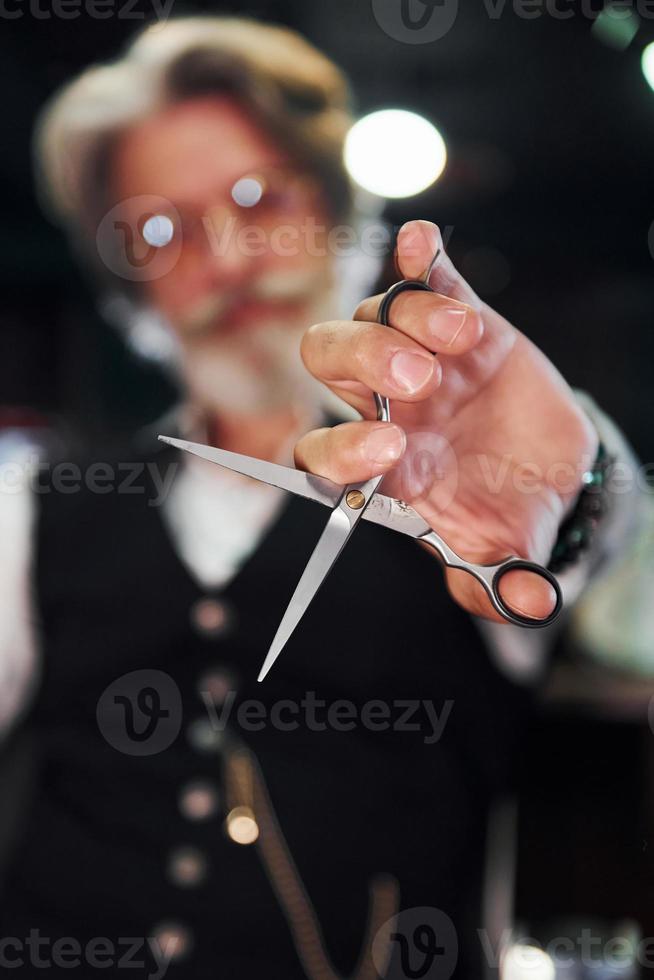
x=277, y=287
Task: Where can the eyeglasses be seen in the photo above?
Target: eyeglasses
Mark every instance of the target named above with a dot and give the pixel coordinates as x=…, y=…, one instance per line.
x=263, y=200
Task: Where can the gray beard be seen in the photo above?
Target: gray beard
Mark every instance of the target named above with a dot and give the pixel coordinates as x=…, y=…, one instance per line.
x=252, y=374
x=257, y=370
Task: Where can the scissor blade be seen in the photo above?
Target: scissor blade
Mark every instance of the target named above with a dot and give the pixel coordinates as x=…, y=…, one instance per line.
x=396, y=515
x=285, y=477
x=329, y=547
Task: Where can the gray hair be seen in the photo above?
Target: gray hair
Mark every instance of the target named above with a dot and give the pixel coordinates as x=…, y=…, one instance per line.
x=294, y=92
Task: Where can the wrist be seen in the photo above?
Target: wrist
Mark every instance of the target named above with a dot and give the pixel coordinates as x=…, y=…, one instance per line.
x=578, y=530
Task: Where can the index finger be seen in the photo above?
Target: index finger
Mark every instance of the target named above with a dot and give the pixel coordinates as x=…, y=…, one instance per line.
x=439, y=323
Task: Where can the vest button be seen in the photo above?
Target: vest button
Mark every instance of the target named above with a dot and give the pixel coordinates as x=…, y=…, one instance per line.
x=199, y=800
x=205, y=737
x=187, y=867
x=215, y=685
x=173, y=941
x=211, y=617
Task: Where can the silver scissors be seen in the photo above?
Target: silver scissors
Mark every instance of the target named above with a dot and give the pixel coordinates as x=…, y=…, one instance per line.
x=358, y=501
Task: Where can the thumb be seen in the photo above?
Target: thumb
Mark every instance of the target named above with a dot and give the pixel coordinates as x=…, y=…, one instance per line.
x=524, y=592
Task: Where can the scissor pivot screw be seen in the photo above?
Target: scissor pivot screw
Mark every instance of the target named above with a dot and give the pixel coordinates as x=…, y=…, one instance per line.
x=355, y=499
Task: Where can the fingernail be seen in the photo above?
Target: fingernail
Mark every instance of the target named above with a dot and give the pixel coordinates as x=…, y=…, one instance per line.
x=410, y=371
x=548, y=598
x=385, y=444
x=446, y=324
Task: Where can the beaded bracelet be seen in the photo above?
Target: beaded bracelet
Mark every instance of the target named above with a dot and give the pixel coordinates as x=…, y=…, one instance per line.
x=578, y=530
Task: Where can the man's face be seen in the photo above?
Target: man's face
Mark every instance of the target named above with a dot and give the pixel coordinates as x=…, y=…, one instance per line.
x=251, y=269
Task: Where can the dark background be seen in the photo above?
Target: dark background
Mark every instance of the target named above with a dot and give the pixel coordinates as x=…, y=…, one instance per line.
x=551, y=156
x=548, y=195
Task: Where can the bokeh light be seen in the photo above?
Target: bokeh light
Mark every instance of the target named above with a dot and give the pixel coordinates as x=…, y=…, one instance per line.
x=648, y=64
x=241, y=825
x=394, y=153
x=616, y=26
x=525, y=962
x=247, y=191
x=158, y=230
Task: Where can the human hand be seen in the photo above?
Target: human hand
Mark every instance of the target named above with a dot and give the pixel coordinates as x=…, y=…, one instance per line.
x=486, y=441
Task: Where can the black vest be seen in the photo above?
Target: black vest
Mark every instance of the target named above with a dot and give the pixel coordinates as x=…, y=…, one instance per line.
x=95, y=855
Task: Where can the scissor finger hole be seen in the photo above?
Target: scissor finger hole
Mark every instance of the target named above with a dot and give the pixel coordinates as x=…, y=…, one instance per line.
x=404, y=286
x=533, y=600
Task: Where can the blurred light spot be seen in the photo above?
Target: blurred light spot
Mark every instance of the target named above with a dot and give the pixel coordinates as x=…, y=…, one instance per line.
x=187, y=867
x=247, y=192
x=394, y=153
x=241, y=825
x=199, y=800
x=524, y=962
x=145, y=329
x=215, y=686
x=210, y=617
x=204, y=737
x=158, y=230
x=171, y=941
x=487, y=270
x=648, y=64
x=616, y=26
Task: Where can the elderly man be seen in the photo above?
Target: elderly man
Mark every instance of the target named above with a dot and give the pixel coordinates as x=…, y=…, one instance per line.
x=187, y=821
